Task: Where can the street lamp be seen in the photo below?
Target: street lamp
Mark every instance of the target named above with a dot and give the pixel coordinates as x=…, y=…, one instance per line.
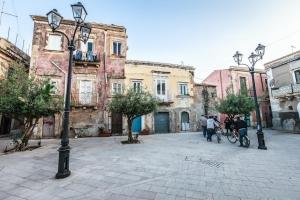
x=253, y=58
x=54, y=20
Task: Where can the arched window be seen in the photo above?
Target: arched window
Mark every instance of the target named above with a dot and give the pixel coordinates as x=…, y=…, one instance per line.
x=297, y=76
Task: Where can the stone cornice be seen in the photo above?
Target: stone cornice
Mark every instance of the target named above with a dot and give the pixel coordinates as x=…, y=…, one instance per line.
x=111, y=27
x=283, y=60
x=158, y=64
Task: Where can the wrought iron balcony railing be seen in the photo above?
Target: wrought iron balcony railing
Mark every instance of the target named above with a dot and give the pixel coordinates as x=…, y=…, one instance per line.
x=87, y=99
x=88, y=56
x=165, y=99
x=286, y=91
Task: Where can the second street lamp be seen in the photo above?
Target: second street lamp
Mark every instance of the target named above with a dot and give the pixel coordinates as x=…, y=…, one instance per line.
x=253, y=58
x=54, y=20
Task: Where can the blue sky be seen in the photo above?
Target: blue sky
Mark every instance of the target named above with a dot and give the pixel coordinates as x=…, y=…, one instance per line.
x=202, y=33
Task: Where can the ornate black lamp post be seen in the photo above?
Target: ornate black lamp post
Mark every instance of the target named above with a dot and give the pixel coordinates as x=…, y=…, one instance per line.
x=54, y=20
x=253, y=58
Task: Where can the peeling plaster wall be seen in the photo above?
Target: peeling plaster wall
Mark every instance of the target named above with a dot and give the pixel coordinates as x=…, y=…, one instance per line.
x=54, y=65
x=199, y=100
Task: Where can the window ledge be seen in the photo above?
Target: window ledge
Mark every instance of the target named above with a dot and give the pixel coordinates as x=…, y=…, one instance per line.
x=114, y=56
x=54, y=51
x=184, y=96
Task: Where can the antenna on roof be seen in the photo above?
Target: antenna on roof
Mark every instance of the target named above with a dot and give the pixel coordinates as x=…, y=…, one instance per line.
x=8, y=33
x=293, y=47
x=16, y=40
x=5, y=13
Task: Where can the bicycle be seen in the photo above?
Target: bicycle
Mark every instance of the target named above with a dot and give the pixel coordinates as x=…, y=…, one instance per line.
x=233, y=137
x=218, y=133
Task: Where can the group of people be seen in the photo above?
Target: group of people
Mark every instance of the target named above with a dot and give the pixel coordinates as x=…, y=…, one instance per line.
x=210, y=123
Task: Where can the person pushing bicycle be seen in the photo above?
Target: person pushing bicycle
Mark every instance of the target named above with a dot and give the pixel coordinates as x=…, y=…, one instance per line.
x=241, y=126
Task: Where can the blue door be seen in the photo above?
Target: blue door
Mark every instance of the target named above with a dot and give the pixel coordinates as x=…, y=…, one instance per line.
x=137, y=124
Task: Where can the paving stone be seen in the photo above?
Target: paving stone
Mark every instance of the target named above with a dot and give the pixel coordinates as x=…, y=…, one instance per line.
x=145, y=194
x=169, y=166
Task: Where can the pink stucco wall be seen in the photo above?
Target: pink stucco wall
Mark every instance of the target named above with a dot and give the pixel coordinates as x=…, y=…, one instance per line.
x=226, y=78
x=54, y=65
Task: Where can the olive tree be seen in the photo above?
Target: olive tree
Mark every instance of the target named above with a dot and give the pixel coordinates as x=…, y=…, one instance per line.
x=133, y=104
x=236, y=104
x=26, y=100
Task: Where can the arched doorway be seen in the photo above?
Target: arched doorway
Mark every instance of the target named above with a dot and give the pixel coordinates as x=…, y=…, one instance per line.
x=185, y=121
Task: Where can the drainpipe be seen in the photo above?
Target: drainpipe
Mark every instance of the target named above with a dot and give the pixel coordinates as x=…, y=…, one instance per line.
x=221, y=82
x=261, y=81
x=65, y=74
x=105, y=79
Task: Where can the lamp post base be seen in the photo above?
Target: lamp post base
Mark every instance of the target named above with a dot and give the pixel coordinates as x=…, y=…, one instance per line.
x=63, y=162
x=261, y=140
x=64, y=174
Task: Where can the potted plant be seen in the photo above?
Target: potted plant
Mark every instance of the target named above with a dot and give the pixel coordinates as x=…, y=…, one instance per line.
x=145, y=131
x=103, y=132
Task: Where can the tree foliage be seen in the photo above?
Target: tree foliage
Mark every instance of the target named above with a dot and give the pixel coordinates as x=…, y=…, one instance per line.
x=26, y=100
x=133, y=104
x=236, y=104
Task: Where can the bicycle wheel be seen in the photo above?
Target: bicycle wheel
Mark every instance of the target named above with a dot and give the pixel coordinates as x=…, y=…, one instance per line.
x=246, y=141
x=218, y=137
x=232, y=138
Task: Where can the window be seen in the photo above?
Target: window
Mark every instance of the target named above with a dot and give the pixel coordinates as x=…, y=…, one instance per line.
x=243, y=85
x=54, y=89
x=88, y=46
x=54, y=42
x=117, y=88
x=297, y=76
x=85, y=92
x=160, y=87
x=161, y=91
x=117, y=46
x=183, y=89
x=137, y=86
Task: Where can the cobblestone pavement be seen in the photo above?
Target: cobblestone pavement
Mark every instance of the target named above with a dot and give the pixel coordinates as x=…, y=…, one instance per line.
x=163, y=167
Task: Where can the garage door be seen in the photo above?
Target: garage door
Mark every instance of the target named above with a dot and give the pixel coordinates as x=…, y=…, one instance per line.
x=161, y=122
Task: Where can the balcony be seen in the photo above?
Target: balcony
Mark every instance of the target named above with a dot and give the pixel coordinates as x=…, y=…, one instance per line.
x=84, y=100
x=164, y=100
x=286, y=91
x=82, y=58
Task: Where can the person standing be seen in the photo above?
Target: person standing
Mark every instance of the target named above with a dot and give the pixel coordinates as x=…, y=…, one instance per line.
x=241, y=127
x=227, y=123
x=204, y=125
x=211, y=124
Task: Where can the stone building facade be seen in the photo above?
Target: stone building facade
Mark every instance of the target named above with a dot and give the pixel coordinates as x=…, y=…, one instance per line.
x=173, y=85
x=205, y=100
x=234, y=78
x=284, y=83
x=10, y=53
x=97, y=65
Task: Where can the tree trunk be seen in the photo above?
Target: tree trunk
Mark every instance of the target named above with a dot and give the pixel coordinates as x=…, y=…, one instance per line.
x=28, y=131
x=129, y=123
